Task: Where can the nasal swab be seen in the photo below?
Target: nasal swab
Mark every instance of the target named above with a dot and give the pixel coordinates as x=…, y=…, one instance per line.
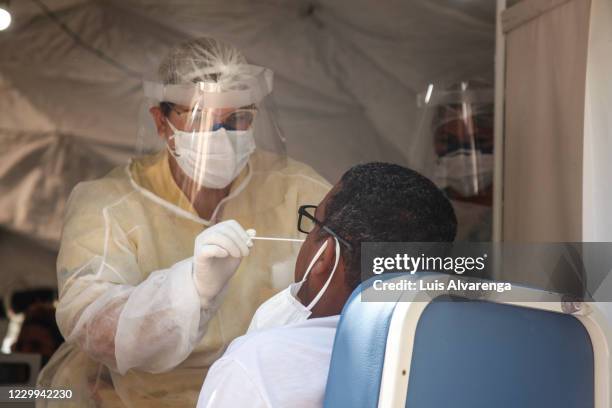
x=251, y=233
x=278, y=239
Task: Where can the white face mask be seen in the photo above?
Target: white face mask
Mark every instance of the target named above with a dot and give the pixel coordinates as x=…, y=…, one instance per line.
x=212, y=159
x=466, y=171
x=284, y=308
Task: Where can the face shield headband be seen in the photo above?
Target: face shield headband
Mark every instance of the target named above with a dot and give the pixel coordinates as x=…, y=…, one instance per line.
x=249, y=86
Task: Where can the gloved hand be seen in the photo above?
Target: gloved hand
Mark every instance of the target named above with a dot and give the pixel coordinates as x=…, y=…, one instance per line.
x=217, y=254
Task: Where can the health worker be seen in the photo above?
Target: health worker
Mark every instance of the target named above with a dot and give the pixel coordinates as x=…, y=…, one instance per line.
x=153, y=274
x=456, y=151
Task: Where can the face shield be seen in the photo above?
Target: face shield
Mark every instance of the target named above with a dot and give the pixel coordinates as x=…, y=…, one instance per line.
x=210, y=111
x=461, y=138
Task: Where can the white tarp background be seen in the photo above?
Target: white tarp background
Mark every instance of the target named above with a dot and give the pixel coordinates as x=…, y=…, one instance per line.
x=347, y=73
x=544, y=119
x=597, y=166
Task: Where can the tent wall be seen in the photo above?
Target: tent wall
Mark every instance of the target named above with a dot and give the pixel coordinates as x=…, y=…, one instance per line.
x=500, y=77
x=597, y=167
x=546, y=50
x=347, y=76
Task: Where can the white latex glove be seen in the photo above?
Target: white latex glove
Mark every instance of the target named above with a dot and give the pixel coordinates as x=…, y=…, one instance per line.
x=217, y=254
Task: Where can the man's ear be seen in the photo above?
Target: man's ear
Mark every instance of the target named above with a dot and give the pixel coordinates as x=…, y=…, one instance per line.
x=160, y=122
x=324, y=265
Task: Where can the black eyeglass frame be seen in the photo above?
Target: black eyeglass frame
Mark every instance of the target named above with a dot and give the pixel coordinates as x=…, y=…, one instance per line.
x=303, y=212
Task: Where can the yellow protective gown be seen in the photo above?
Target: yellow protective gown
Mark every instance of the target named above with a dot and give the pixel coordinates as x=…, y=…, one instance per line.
x=136, y=336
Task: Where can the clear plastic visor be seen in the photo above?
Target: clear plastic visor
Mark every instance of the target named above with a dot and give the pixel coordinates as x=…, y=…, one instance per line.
x=460, y=136
x=213, y=134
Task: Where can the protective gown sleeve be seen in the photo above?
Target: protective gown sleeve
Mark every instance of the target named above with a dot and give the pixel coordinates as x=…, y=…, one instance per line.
x=108, y=306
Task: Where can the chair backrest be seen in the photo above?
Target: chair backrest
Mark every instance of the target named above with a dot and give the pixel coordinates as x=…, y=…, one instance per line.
x=463, y=354
x=19, y=369
x=358, y=354
x=482, y=354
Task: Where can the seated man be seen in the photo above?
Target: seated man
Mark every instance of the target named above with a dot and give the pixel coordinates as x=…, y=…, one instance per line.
x=284, y=358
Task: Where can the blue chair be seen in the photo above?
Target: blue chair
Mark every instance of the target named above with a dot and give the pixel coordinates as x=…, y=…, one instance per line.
x=467, y=354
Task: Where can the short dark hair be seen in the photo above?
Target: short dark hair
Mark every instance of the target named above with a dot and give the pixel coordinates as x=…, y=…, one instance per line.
x=166, y=108
x=43, y=315
x=383, y=202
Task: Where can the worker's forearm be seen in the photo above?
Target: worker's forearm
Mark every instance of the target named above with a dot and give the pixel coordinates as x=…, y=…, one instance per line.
x=153, y=326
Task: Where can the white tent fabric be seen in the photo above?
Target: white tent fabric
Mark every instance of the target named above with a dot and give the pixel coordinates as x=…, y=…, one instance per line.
x=544, y=112
x=597, y=166
x=346, y=79
x=558, y=135
x=30, y=265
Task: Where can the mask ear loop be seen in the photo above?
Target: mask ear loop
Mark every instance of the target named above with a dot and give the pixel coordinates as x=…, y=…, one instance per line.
x=331, y=275
x=174, y=132
x=315, y=258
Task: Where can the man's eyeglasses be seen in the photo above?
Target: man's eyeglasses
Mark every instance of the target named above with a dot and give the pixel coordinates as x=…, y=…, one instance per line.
x=307, y=222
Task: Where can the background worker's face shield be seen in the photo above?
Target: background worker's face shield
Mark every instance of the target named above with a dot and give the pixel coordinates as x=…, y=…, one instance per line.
x=462, y=138
x=212, y=121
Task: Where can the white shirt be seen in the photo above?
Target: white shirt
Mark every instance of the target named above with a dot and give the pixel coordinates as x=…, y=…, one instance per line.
x=280, y=367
